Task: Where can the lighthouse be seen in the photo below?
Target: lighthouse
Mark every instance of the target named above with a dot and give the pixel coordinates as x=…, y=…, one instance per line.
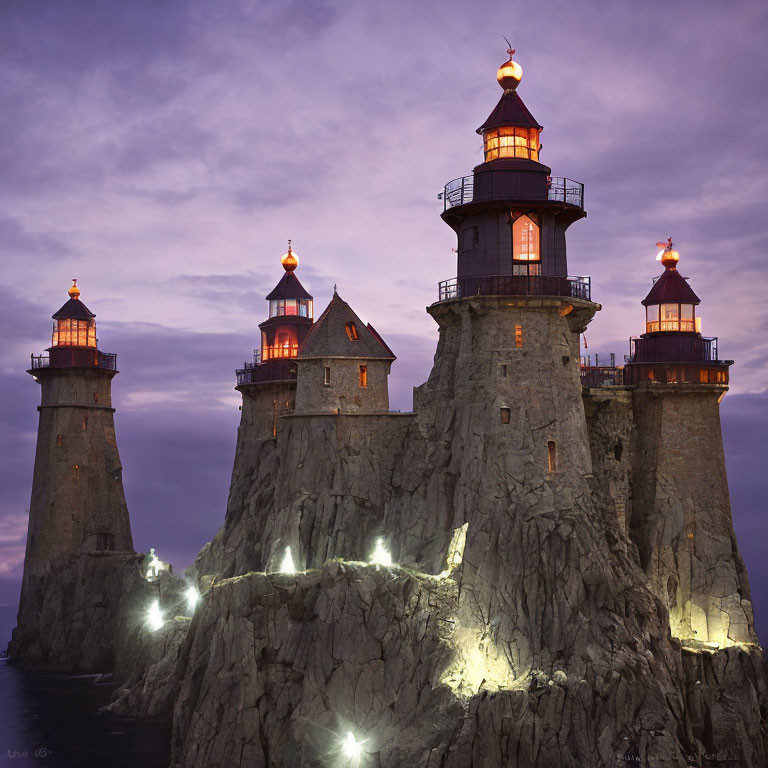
x=268, y=383
x=680, y=514
x=78, y=503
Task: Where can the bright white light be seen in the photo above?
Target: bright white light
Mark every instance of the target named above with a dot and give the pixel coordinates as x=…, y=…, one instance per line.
x=659, y=255
x=352, y=748
x=287, y=566
x=380, y=554
x=192, y=597
x=155, y=565
x=155, y=616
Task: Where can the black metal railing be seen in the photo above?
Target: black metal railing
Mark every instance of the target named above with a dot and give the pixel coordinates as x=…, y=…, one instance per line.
x=514, y=285
x=272, y=370
x=462, y=191
x=75, y=357
x=565, y=191
x=673, y=348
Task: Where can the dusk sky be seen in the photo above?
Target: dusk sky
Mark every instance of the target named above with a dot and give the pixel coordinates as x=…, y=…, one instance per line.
x=163, y=153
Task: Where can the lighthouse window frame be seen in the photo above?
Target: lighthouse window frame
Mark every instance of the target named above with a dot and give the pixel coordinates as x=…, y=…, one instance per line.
x=511, y=141
x=69, y=332
x=671, y=316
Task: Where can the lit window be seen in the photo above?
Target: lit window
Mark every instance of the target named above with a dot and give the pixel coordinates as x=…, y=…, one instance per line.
x=511, y=142
x=525, y=239
x=518, y=336
x=85, y=423
x=327, y=376
x=74, y=333
x=552, y=455
x=59, y=441
x=670, y=317
x=652, y=318
x=686, y=318
x=95, y=397
x=351, y=329
x=363, y=375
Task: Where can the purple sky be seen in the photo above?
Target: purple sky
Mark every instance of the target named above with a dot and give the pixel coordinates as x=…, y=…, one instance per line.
x=163, y=152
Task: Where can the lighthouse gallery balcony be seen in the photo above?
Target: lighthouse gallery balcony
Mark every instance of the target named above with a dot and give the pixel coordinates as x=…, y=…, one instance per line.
x=515, y=285
x=559, y=190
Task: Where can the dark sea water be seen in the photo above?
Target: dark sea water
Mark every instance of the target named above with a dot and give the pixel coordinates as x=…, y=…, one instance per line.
x=55, y=722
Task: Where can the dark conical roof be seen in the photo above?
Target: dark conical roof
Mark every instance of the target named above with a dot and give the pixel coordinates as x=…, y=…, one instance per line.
x=74, y=309
x=510, y=111
x=329, y=338
x=289, y=287
x=671, y=287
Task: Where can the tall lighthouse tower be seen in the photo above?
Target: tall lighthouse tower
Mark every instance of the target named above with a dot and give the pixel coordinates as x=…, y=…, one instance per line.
x=78, y=503
x=504, y=394
x=681, y=513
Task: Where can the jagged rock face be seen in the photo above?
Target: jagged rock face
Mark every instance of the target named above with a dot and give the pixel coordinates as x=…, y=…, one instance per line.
x=549, y=588
x=70, y=619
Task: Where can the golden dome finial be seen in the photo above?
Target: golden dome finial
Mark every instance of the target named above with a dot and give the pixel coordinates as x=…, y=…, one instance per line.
x=510, y=73
x=74, y=291
x=669, y=256
x=289, y=260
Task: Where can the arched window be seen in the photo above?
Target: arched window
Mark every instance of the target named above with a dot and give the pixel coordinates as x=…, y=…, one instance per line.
x=351, y=329
x=525, y=239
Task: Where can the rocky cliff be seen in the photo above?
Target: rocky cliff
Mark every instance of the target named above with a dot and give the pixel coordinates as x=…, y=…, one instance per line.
x=516, y=625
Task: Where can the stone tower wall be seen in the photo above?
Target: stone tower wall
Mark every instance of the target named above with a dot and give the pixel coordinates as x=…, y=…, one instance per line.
x=344, y=393
x=78, y=503
x=610, y=428
x=681, y=515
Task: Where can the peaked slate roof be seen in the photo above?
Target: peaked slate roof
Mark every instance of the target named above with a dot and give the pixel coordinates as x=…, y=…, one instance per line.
x=671, y=287
x=328, y=336
x=74, y=309
x=289, y=287
x=510, y=111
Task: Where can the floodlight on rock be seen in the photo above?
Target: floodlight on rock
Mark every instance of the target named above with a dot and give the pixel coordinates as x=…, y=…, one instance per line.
x=155, y=616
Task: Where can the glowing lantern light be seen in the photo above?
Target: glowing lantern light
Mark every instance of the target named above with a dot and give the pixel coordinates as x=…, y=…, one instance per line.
x=155, y=616
x=352, y=748
x=192, y=596
x=380, y=554
x=287, y=566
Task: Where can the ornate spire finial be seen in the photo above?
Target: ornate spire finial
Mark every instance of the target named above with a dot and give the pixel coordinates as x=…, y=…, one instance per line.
x=669, y=256
x=74, y=291
x=289, y=260
x=510, y=72
x=335, y=292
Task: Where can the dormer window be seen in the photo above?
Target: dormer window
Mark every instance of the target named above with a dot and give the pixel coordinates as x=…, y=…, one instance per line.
x=351, y=329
